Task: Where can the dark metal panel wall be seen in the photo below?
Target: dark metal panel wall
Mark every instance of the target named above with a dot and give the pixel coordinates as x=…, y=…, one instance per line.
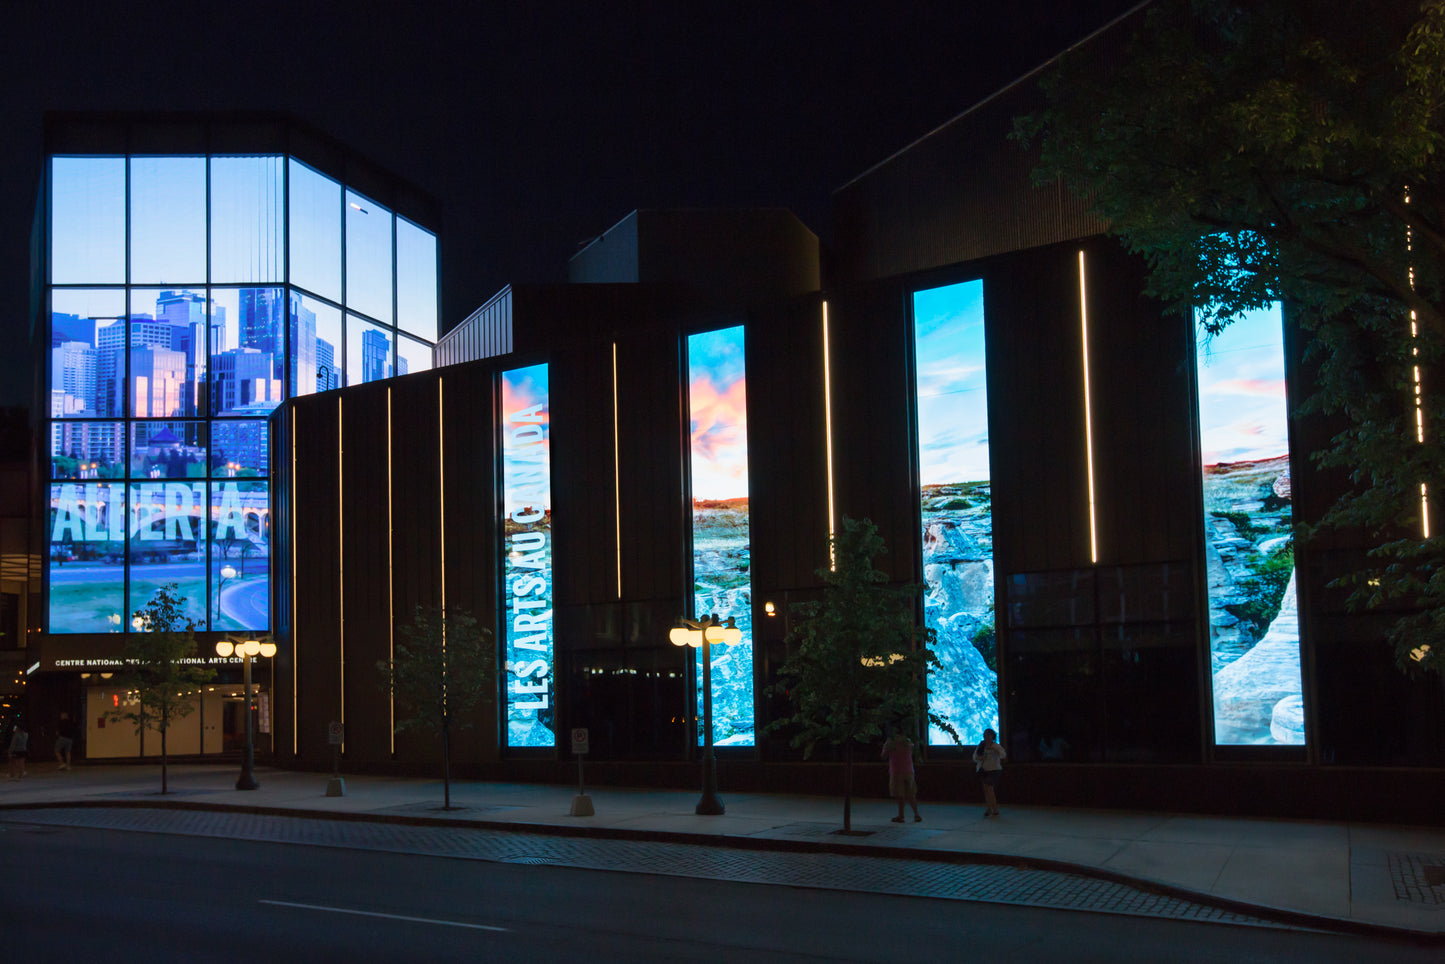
x=467, y=443
x=872, y=450
x=650, y=446
x=961, y=194
x=1362, y=709
x=317, y=574
x=365, y=569
x=1036, y=422
x=415, y=577
x=584, y=481
x=1146, y=482
x=416, y=459
x=787, y=449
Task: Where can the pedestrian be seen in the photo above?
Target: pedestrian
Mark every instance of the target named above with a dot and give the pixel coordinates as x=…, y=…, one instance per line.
x=988, y=762
x=19, y=749
x=66, y=732
x=902, y=786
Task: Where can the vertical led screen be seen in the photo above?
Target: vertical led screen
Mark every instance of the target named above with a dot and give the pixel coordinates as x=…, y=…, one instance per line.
x=956, y=506
x=718, y=409
x=1249, y=534
x=173, y=334
x=527, y=556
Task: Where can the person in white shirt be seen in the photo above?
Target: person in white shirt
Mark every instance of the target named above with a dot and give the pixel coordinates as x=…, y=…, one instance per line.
x=988, y=761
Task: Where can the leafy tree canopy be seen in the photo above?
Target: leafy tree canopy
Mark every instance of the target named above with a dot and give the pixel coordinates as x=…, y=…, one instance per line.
x=858, y=659
x=1260, y=151
x=442, y=668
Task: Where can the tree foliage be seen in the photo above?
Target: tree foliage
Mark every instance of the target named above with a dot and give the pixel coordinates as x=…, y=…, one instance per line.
x=858, y=659
x=443, y=667
x=1261, y=151
x=156, y=669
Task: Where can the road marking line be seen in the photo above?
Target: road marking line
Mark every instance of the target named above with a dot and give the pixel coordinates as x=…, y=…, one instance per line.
x=368, y=913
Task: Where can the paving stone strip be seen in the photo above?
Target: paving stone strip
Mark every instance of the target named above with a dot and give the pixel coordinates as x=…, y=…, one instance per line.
x=987, y=883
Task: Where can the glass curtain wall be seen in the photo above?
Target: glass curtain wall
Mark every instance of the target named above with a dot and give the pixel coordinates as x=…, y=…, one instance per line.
x=722, y=586
x=1254, y=641
x=956, y=506
x=188, y=296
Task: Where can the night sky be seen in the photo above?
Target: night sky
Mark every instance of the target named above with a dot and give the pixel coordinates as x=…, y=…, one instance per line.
x=536, y=124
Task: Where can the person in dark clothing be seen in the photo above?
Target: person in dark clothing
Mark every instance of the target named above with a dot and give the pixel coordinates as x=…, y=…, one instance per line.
x=66, y=734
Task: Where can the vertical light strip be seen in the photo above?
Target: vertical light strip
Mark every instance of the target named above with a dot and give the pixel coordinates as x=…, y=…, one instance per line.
x=1088, y=415
x=828, y=431
x=442, y=518
x=295, y=648
x=616, y=472
x=341, y=566
x=390, y=581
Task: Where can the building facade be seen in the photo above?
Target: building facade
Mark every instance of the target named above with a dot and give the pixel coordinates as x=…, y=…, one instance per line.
x=1100, y=507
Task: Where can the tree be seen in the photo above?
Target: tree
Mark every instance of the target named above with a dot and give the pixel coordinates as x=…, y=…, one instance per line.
x=156, y=669
x=443, y=668
x=1262, y=151
x=858, y=660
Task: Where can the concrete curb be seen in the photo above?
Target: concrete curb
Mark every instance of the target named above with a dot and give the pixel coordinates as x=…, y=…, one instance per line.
x=1278, y=915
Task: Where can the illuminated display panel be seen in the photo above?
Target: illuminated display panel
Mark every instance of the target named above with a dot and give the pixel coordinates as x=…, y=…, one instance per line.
x=87, y=557
x=717, y=407
x=173, y=335
x=956, y=506
x=1249, y=534
x=168, y=544
x=527, y=557
x=240, y=521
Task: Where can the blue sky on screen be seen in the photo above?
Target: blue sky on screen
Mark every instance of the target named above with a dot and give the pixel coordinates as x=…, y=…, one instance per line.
x=524, y=473
x=948, y=327
x=717, y=401
x=1242, y=408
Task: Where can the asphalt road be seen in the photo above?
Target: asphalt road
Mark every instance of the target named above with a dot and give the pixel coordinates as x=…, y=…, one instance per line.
x=83, y=894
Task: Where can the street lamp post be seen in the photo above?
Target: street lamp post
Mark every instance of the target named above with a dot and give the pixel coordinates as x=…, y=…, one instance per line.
x=227, y=573
x=245, y=650
x=703, y=633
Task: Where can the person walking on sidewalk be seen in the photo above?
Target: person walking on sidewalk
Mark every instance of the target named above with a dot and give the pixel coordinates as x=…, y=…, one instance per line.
x=19, y=750
x=902, y=786
x=988, y=761
x=66, y=732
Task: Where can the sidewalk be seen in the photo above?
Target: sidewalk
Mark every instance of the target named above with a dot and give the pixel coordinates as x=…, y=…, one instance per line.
x=1363, y=878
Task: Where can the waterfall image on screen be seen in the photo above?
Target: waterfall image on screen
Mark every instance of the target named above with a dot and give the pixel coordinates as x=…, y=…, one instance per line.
x=717, y=406
x=956, y=503
x=527, y=556
x=1249, y=534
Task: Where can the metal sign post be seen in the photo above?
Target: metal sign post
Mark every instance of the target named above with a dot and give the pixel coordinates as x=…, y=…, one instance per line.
x=581, y=804
x=335, y=735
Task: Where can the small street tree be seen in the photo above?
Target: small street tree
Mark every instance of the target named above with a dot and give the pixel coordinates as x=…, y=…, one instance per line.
x=160, y=680
x=858, y=659
x=443, y=668
x=1262, y=151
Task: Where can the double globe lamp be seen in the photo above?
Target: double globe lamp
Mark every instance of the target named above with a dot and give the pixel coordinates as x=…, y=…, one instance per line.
x=246, y=650
x=704, y=632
